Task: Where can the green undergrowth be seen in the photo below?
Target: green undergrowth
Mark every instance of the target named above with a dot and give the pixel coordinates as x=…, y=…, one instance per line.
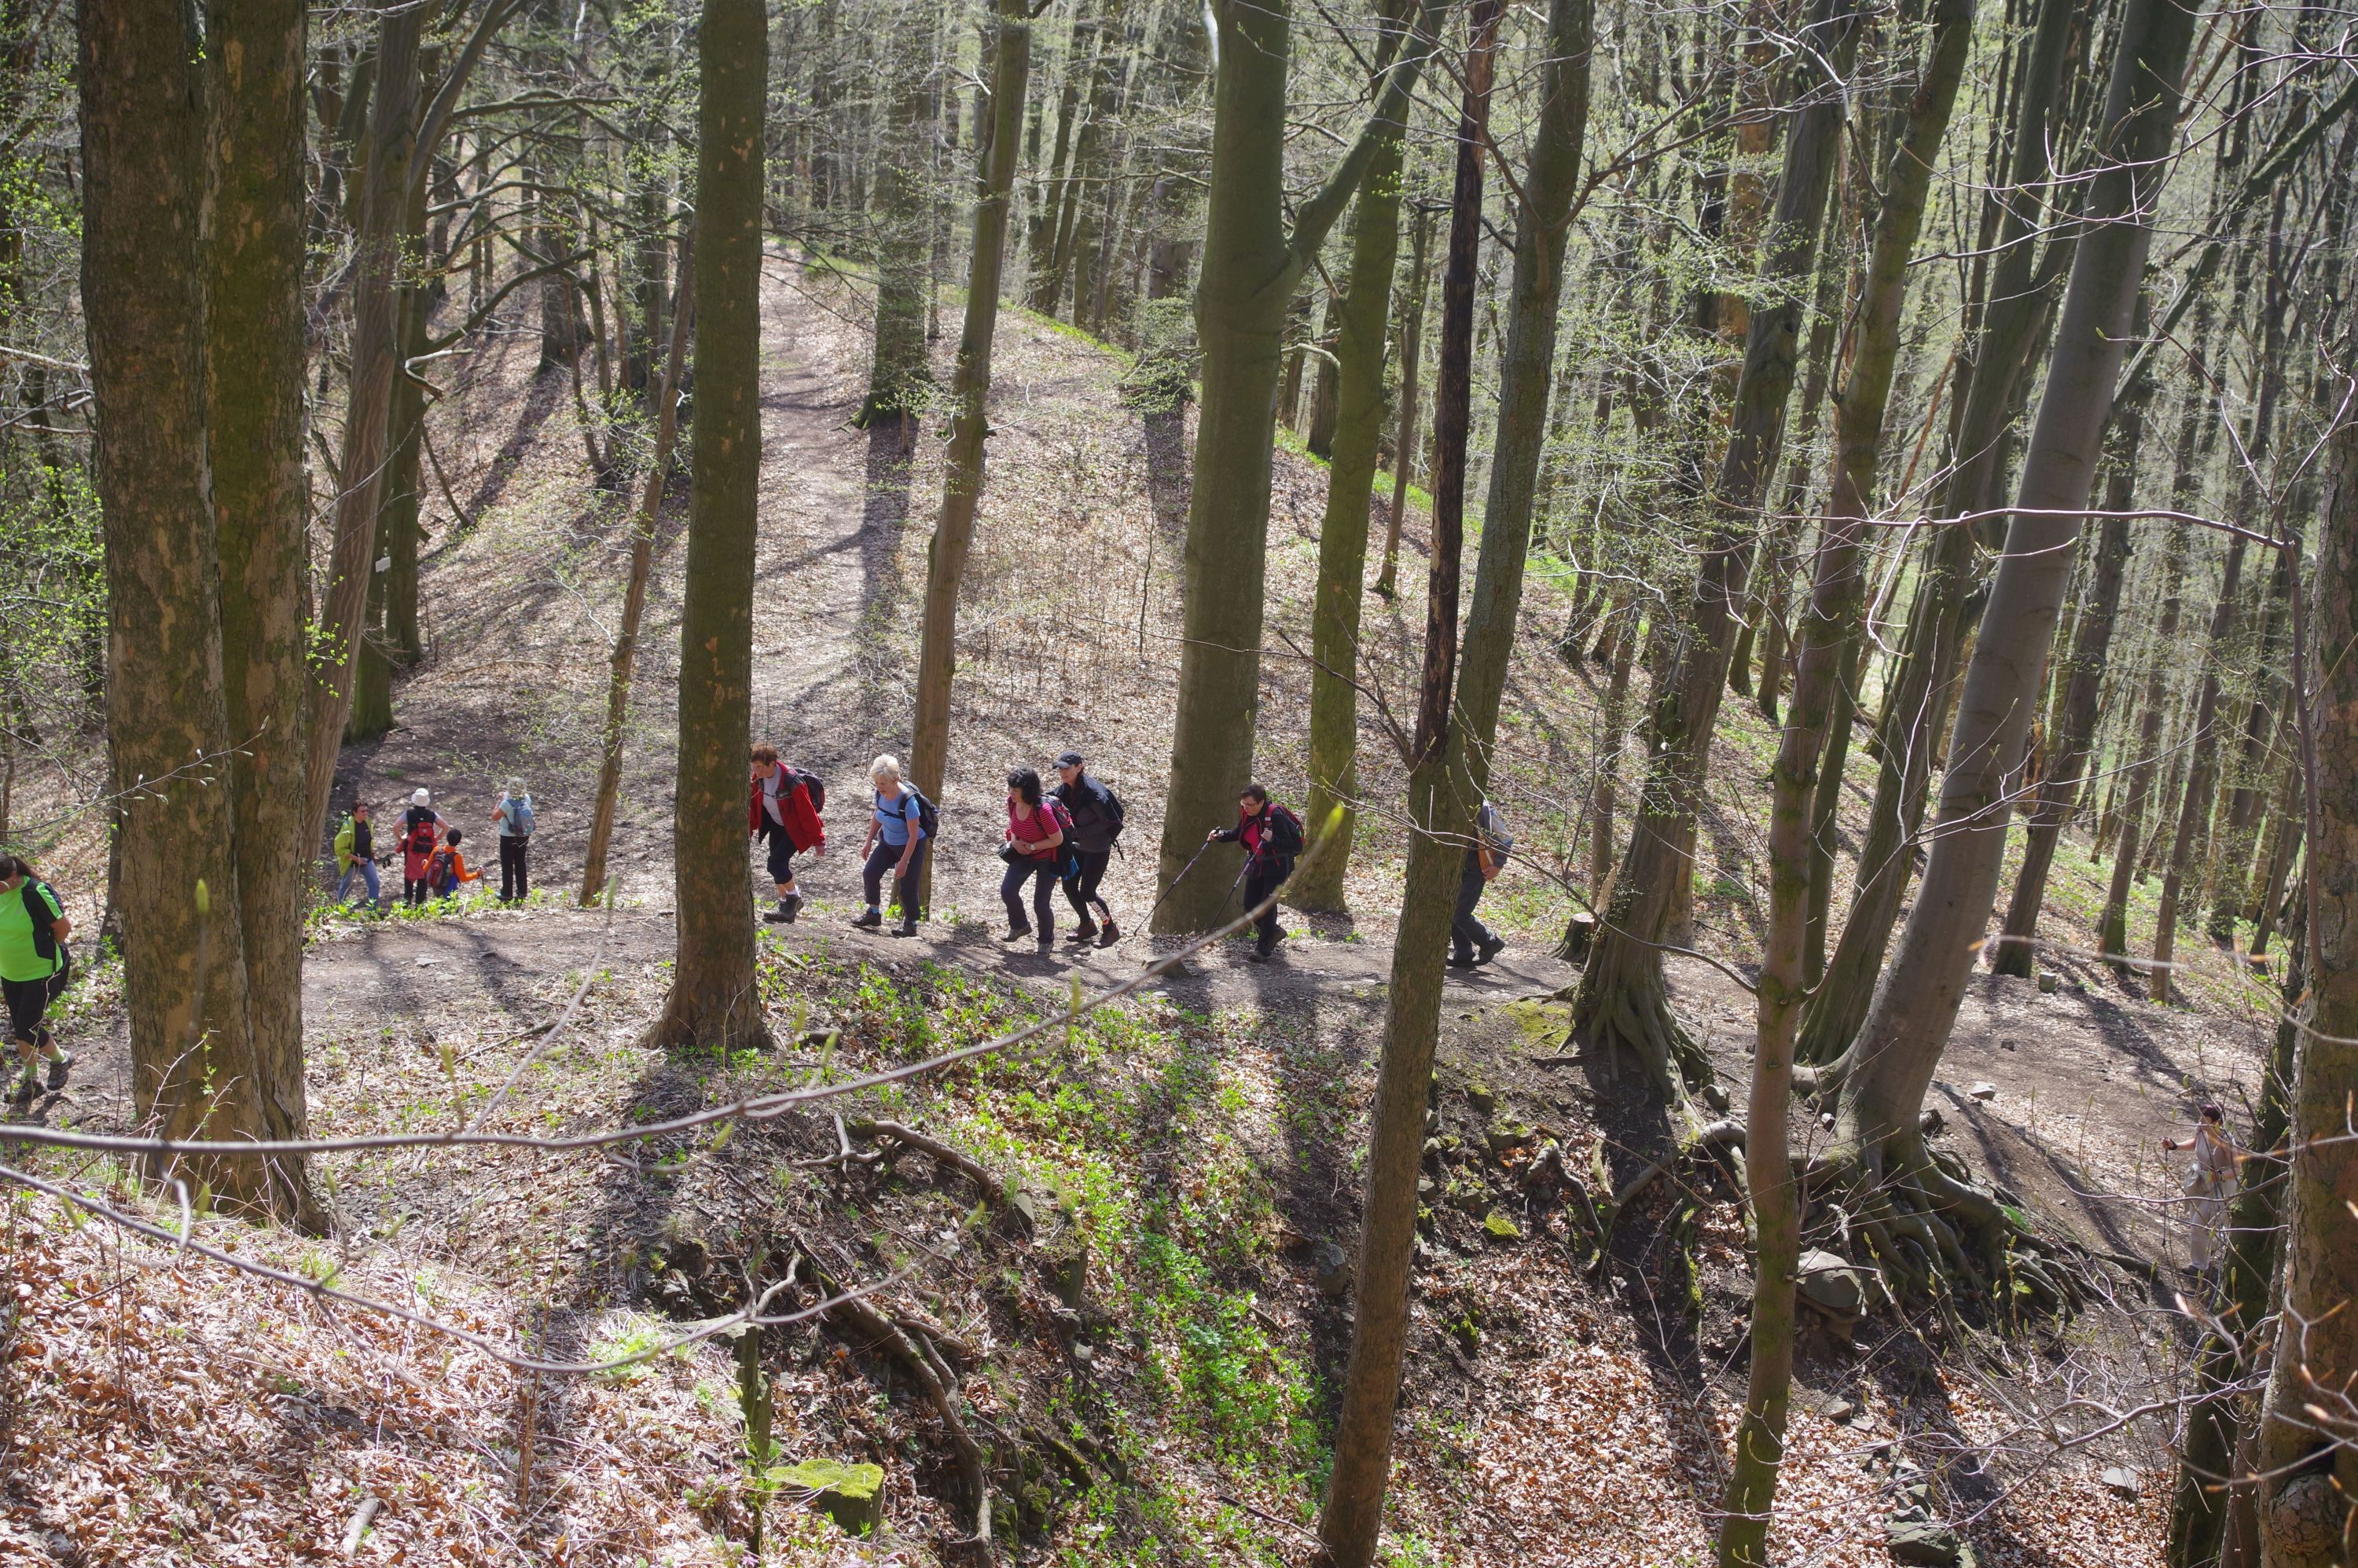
x=1140, y=1125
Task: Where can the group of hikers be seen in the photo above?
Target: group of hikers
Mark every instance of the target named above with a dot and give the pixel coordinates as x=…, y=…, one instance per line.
x=1063, y=834
x=433, y=865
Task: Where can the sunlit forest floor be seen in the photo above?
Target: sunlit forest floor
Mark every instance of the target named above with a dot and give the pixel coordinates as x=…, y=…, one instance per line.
x=1197, y=1145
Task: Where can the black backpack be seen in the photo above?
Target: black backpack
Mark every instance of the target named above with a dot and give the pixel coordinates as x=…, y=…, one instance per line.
x=929, y=817
x=1115, y=811
x=36, y=908
x=1284, y=840
x=813, y=783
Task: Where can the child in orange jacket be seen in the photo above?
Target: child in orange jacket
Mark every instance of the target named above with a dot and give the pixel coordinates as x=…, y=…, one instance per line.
x=446, y=870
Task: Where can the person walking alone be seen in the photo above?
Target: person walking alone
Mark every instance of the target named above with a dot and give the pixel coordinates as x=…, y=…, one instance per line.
x=785, y=814
x=897, y=842
x=1033, y=850
x=1470, y=941
x=2211, y=1183
x=513, y=814
x=1097, y=813
x=34, y=965
x=1272, y=839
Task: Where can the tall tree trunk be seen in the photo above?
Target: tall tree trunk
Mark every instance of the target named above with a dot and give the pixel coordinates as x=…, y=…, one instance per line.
x=2303, y=1505
x=1884, y=1074
x=1826, y=637
x=1251, y=264
x=1412, y=354
x=254, y=409
x=1356, y=433
x=969, y=427
x=168, y=741
x=2202, y=773
x=634, y=592
x=1048, y=199
x=2145, y=762
x=376, y=317
x=715, y=999
x=1442, y=803
x=2234, y=861
x=1621, y=997
x=900, y=372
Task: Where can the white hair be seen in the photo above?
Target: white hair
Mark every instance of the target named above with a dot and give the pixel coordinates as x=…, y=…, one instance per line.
x=884, y=767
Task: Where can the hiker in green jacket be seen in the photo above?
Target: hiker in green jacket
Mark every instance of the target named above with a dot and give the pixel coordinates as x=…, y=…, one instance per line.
x=34, y=965
x=356, y=856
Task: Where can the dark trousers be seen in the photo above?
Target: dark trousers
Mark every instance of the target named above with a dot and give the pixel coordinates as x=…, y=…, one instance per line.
x=1467, y=933
x=782, y=853
x=881, y=861
x=417, y=892
x=514, y=880
x=1089, y=867
x=1041, y=875
x=1263, y=878
x=27, y=1000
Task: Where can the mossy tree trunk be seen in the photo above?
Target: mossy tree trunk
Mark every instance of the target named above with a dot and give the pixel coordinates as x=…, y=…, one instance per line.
x=1442, y=803
x=963, y=464
x=900, y=374
x=1251, y=264
x=715, y=1000
x=144, y=264
x=253, y=371
x=1361, y=318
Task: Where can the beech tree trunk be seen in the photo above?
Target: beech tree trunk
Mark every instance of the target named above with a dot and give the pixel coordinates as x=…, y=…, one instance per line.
x=1884, y=1074
x=1355, y=433
x=900, y=372
x=1621, y=997
x=1251, y=264
x=970, y=426
x=1442, y=803
x=2202, y=773
x=634, y=592
x=194, y=1070
x=254, y=407
x=1411, y=353
x=715, y=999
x=2303, y=1506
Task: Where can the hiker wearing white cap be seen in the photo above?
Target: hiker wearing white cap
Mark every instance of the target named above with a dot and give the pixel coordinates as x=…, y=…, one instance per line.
x=513, y=814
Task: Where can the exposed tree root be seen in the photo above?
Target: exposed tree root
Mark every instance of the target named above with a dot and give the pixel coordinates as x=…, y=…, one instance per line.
x=1635, y=1015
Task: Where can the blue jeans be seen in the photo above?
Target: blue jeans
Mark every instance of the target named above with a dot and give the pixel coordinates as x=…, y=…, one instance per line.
x=1041, y=875
x=366, y=871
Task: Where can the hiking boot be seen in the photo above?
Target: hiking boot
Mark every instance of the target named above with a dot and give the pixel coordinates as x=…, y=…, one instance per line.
x=1107, y=934
x=1016, y=933
x=1491, y=949
x=1082, y=933
x=906, y=928
x=788, y=907
x=870, y=920
x=58, y=1065
x=1462, y=960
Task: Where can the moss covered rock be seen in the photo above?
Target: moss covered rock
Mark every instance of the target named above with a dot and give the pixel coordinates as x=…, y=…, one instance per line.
x=851, y=1495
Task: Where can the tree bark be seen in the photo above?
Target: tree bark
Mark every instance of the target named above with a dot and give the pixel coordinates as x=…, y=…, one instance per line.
x=963, y=464
x=1411, y=353
x=168, y=741
x=2303, y=1506
x=1621, y=999
x=1355, y=433
x=715, y=999
x=634, y=593
x=900, y=373
x=1884, y=1074
x=1251, y=264
x=1442, y=803
x=2202, y=773
x=253, y=408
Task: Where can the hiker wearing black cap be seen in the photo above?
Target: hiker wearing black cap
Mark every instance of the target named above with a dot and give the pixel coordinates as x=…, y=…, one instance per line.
x=1097, y=813
x=1272, y=839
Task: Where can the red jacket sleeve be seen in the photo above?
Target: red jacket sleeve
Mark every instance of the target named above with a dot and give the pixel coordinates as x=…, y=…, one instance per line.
x=804, y=828
x=753, y=809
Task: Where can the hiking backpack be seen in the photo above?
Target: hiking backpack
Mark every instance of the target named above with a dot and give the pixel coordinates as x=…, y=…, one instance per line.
x=519, y=818
x=811, y=782
x=1116, y=813
x=45, y=931
x=1284, y=838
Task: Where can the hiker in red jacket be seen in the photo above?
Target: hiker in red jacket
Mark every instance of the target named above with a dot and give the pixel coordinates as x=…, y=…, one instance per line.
x=1272, y=839
x=783, y=809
